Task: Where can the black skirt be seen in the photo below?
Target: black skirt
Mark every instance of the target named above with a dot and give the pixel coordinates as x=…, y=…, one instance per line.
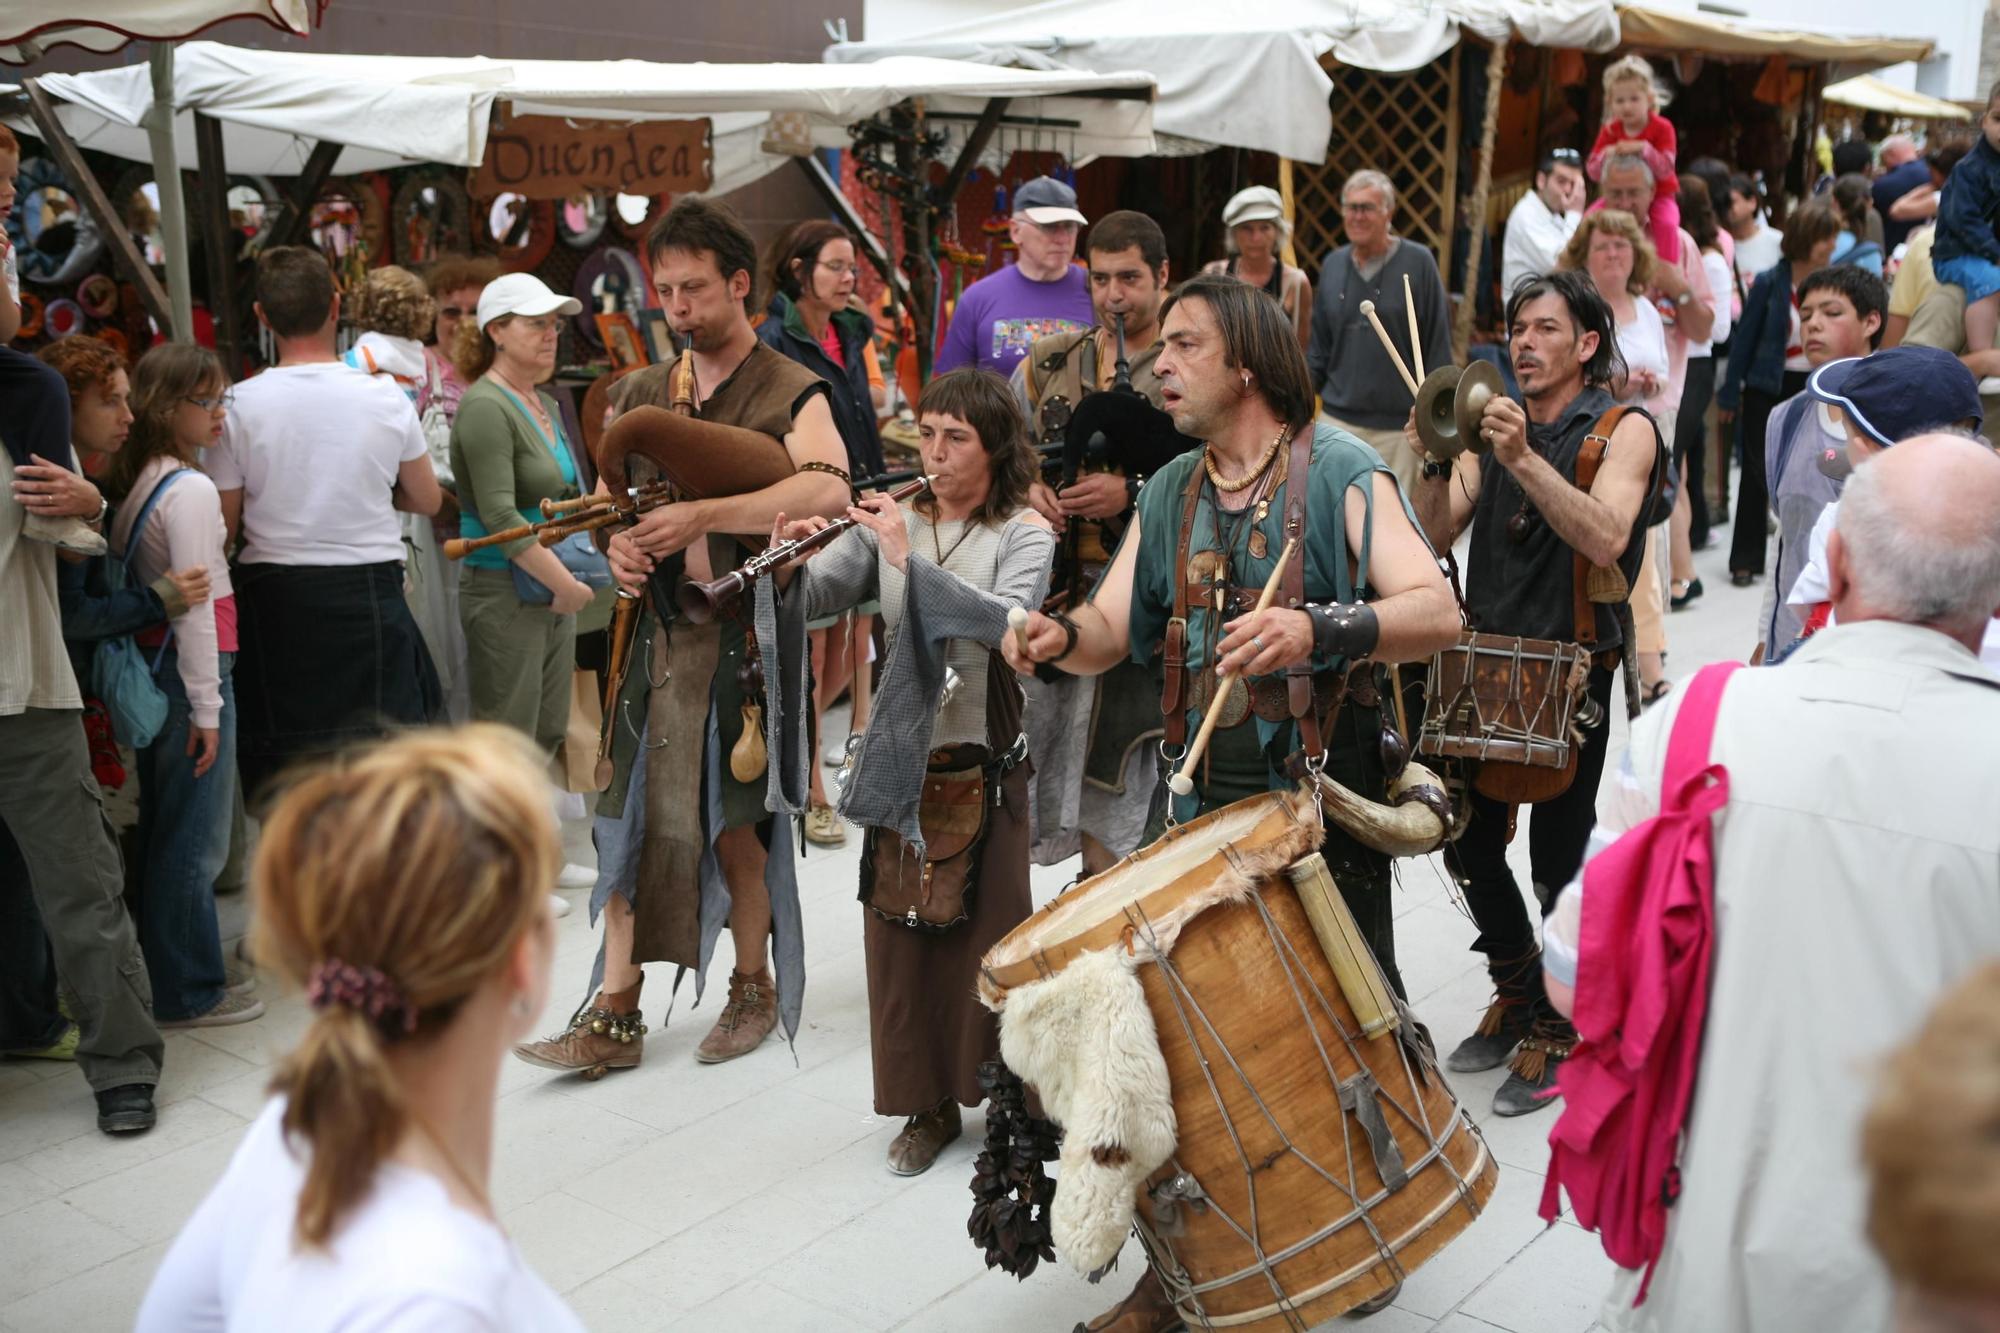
x=329, y=655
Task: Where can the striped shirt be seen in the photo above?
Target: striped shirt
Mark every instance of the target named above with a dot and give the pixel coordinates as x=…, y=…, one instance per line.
x=34, y=666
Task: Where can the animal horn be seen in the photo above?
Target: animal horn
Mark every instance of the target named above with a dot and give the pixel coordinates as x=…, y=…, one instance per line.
x=1416, y=821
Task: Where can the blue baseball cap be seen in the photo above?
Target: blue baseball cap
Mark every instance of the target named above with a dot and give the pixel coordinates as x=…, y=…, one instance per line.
x=1900, y=392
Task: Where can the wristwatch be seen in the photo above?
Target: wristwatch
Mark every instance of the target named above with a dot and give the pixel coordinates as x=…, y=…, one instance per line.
x=103, y=510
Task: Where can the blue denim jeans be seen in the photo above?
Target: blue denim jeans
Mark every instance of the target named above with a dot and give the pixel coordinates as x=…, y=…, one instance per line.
x=182, y=844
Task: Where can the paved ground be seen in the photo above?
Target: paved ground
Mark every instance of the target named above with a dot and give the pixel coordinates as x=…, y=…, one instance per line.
x=753, y=1195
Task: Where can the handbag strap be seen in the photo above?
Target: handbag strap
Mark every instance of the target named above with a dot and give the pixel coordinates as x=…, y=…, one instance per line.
x=1690, y=743
x=132, y=550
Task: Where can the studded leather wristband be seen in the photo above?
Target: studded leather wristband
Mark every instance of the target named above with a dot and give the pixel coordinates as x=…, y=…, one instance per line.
x=1344, y=629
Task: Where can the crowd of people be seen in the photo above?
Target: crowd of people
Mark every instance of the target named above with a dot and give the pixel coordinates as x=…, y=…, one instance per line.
x=249, y=585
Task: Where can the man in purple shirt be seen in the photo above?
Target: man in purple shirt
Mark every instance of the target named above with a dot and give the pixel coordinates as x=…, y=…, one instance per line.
x=999, y=316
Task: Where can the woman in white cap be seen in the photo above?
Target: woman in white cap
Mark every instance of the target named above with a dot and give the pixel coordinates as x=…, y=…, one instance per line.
x=509, y=452
x=1256, y=236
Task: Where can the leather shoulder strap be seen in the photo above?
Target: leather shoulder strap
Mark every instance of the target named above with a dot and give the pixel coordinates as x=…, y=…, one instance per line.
x=1298, y=676
x=1583, y=616
x=1173, y=687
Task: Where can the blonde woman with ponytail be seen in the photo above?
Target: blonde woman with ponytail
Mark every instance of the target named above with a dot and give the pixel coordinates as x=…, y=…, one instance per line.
x=405, y=888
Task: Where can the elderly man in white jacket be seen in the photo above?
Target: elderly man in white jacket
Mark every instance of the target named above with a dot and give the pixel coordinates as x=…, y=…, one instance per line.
x=1857, y=878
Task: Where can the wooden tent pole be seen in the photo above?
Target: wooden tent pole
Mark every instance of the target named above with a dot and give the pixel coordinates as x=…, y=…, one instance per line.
x=1475, y=222
x=1290, y=254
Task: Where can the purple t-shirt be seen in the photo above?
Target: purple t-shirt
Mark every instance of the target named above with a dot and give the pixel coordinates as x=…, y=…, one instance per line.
x=999, y=316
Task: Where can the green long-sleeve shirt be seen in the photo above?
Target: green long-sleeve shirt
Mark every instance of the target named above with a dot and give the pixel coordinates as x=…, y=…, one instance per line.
x=505, y=468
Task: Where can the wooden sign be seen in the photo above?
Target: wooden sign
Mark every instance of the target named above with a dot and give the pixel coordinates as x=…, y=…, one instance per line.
x=548, y=157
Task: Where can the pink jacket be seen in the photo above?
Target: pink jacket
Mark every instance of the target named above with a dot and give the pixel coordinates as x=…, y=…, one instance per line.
x=1643, y=956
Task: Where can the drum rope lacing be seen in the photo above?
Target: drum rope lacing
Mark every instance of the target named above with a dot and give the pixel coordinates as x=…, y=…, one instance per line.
x=1184, y=1001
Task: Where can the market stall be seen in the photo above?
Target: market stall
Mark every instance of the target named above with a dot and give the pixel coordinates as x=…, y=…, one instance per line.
x=395, y=157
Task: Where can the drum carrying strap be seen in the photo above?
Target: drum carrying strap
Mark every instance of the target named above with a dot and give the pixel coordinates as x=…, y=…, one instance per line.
x=1584, y=614
x=1174, y=688
x=1299, y=676
x=1588, y=460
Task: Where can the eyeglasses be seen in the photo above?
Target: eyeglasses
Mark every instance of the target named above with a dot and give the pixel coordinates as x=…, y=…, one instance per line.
x=452, y=312
x=840, y=268
x=542, y=323
x=1362, y=208
x=225, y=400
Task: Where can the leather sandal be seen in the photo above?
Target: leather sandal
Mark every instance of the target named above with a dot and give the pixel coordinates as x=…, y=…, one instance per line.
x=1145, y=1310
x=609, y=1033
x=823, y=827
x=912, y=1152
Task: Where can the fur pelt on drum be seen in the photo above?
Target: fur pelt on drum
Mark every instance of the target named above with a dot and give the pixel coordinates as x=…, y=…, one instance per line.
x=1085, y=1040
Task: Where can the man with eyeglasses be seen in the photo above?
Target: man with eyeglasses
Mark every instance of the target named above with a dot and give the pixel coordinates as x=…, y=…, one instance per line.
x=1043, y=292
x=1541, y=224
x=1360, y=390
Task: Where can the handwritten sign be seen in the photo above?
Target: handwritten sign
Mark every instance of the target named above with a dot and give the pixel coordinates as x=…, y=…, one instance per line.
x=547, y=157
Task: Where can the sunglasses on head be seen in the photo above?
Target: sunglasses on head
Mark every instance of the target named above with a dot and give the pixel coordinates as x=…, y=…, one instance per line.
x=1567, y=156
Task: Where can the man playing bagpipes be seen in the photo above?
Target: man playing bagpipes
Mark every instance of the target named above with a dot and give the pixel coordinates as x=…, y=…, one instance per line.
x=684, y=841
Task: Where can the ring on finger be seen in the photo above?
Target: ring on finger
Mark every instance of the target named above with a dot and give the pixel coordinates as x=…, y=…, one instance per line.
x=1257, y=643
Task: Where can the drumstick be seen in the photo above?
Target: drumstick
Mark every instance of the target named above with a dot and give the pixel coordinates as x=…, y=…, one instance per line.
x=1180, y=783
x=1017, y=620
x=1416, y=343
x=1389, y=346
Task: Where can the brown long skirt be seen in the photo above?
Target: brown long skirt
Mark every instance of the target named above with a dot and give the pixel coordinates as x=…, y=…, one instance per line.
x=928, y=1030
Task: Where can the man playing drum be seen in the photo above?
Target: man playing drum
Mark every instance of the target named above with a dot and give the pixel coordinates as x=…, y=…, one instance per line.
x=1092, y=739
x=683, y=843
x=1530, y=521
x=1208, y=532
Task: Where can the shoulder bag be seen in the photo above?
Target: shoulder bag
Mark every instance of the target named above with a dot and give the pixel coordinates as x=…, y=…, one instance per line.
x=119, y=672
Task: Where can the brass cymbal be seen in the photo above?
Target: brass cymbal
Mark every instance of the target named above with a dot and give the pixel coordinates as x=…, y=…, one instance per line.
x=1449, y=404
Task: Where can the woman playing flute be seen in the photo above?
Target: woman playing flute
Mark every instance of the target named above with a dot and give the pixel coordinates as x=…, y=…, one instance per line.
x=940, y=785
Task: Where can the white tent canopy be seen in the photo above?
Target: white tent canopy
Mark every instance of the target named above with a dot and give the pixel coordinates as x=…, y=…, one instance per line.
x=30, y=27
x=1247, y=76
x=399, y=110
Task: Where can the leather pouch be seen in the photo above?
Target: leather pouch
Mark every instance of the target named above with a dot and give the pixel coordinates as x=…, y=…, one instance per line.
x=934, y=893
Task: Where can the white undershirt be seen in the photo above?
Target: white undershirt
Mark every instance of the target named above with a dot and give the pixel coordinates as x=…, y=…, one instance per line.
x=407, y=1260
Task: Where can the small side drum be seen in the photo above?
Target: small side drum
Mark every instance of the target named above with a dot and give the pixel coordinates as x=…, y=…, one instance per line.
x=1511, y=704
x=1320, y=1156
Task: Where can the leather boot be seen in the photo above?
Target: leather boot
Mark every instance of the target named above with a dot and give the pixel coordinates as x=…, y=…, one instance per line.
x=924, y=1136
x=608, y=1034
x=1532, y=1078
x=1508, y=1017
x=748, y=1017
x=1146, y=1310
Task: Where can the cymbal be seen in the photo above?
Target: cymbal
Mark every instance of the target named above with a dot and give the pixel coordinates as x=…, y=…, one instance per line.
x=1450, y=402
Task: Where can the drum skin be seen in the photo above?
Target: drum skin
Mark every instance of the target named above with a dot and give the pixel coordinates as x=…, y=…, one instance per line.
x=1258, y=1038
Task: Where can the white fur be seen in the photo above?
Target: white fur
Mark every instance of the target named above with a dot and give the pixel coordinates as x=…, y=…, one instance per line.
x=1085, y=1040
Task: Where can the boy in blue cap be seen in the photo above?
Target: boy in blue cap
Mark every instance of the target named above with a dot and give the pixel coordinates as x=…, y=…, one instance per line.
x=1881, y=400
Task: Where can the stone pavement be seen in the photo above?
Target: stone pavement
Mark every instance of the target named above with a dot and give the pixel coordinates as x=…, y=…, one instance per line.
x=753, y=1194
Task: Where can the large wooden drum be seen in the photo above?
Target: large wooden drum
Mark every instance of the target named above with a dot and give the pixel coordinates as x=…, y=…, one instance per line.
x=1320, y=1155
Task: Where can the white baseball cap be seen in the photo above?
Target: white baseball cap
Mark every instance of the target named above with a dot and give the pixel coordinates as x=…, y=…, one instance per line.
x=522, y=294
